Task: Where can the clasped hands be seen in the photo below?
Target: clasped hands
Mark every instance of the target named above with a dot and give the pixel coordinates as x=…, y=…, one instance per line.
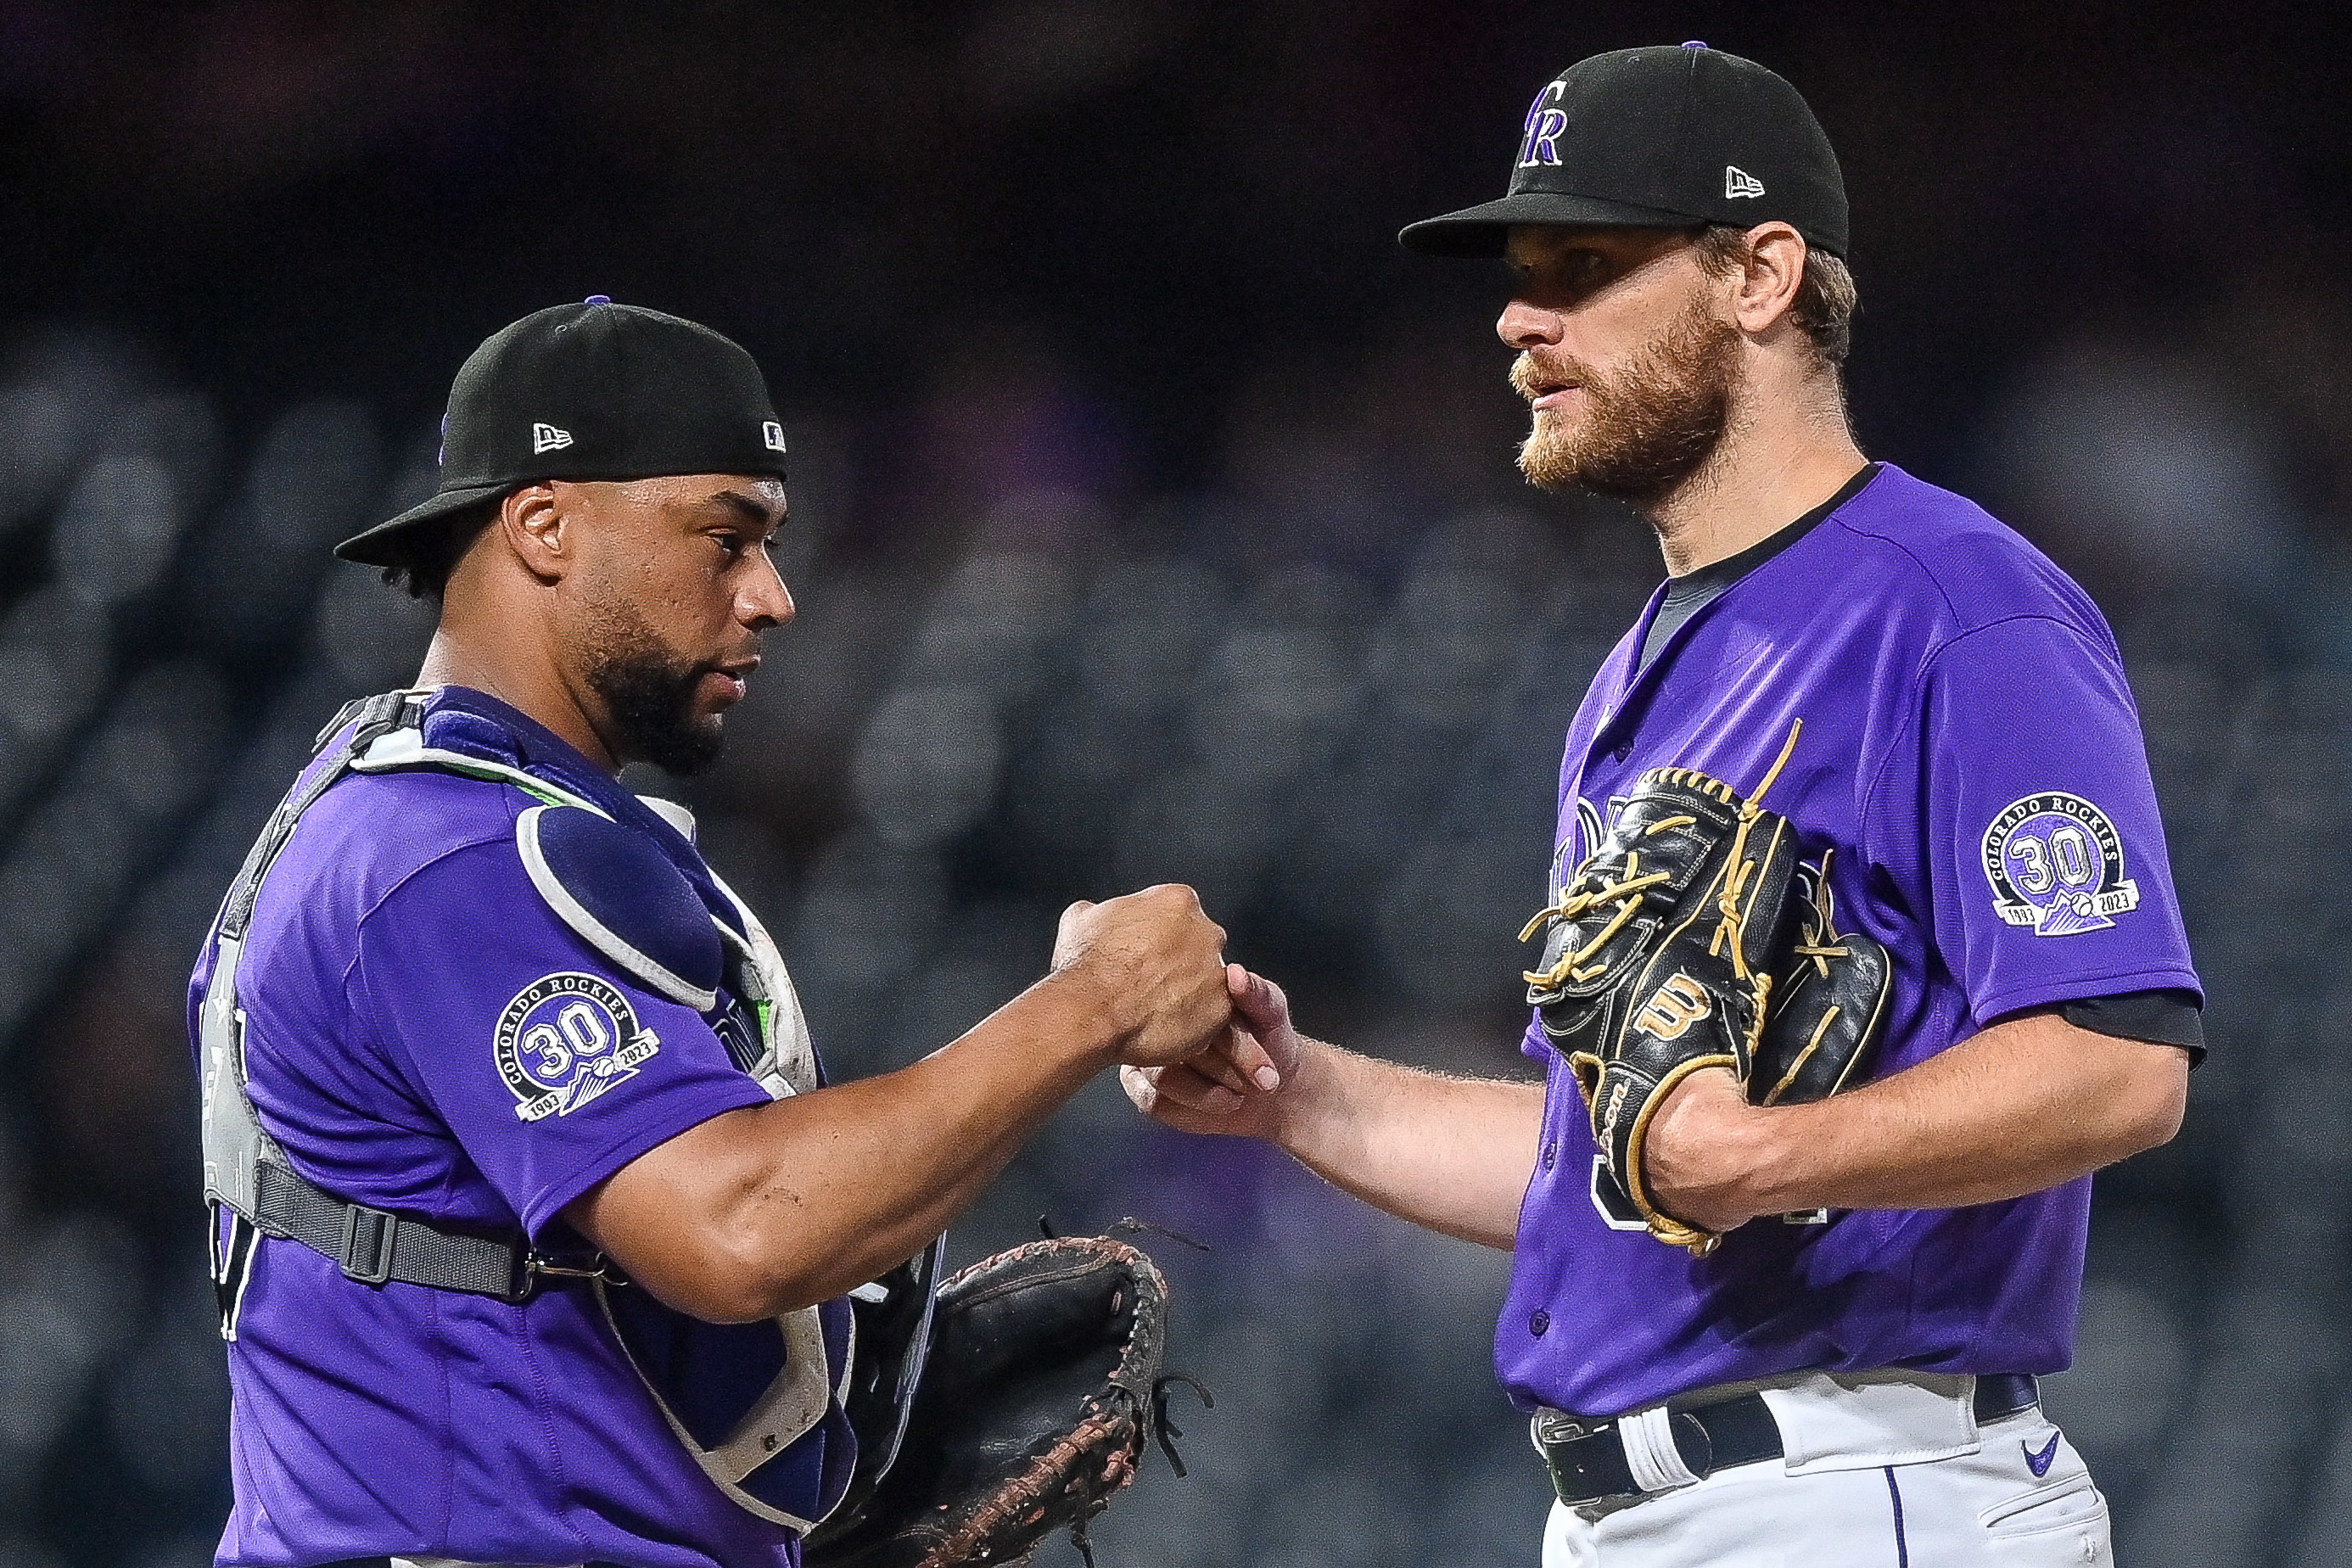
x=1198, y=1041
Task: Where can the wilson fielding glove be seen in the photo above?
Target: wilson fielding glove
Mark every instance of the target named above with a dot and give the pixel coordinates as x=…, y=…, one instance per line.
x=1691, y=937
x=1829, y=998
x=1040, y=1390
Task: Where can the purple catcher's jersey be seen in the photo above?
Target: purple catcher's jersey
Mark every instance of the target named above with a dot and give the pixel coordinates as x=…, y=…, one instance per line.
x=1971, y=768
x=395, y=977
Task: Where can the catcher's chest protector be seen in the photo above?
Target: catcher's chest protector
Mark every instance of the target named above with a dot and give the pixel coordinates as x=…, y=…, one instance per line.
x=738, y=1396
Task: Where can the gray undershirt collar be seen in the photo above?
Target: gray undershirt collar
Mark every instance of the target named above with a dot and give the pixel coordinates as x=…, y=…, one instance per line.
x=1692, y=592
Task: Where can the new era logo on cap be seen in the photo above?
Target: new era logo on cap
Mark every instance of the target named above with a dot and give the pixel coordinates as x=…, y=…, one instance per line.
x=1739, y=182
x=771, y=435
x=548, y=438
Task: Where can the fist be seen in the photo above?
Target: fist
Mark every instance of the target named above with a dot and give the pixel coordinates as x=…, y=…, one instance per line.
x=1697, y=1163
x=1155, y=961
x=1243, y=1087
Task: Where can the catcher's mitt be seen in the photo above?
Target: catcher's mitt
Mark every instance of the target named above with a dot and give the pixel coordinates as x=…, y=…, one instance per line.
x=1041, y=1388
x=1672, y=949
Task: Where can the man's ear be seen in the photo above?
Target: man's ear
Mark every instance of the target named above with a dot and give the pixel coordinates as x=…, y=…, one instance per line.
x=535, y=520
x=1768, y=285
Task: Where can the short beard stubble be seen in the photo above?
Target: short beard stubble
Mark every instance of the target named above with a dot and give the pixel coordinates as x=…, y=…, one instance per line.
x=648, y=695
x=1649, y=427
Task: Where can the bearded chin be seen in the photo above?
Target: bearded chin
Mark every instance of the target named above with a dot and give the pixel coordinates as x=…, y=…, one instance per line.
x=649, y=702
x=1651, y=426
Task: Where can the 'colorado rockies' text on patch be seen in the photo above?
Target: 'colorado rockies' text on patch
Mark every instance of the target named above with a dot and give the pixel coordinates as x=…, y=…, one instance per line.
x=564, y=1041
x=2056, y=864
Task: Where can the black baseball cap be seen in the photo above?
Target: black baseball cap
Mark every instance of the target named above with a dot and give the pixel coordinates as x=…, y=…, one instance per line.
x=592, y=391
x=1663, y=137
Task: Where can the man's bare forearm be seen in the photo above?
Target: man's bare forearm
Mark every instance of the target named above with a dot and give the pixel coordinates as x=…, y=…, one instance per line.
x=2026, y=1106
x=1453, y=1154
x=772, y=1207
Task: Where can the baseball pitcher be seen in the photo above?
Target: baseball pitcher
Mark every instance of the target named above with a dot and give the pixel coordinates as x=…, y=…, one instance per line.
x=1861, y=952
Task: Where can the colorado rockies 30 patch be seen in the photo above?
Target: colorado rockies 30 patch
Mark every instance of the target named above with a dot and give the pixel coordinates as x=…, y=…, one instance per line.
x=568, y=1038
x=2057, y=864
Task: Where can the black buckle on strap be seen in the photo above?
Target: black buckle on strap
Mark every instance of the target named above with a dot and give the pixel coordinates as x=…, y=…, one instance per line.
x=368, y=1236
x=535, y=1271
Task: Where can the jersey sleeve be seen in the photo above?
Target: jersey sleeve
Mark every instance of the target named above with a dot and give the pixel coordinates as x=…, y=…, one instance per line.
x=2031, y=816
x=551, y=1067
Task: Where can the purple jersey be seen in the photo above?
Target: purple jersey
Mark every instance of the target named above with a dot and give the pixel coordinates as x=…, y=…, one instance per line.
x=398, y=963
x=1971, y=766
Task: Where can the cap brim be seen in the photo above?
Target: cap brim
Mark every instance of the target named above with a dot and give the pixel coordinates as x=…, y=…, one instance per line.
x=380, y=545
x=1480, y=230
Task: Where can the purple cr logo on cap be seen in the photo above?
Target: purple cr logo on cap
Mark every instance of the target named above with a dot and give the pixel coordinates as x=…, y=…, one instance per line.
x=1540, y=144
x=598, y=300
x=1695, y=44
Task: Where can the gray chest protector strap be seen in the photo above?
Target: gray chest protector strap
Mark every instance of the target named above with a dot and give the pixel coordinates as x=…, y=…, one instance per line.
x=245, y=1170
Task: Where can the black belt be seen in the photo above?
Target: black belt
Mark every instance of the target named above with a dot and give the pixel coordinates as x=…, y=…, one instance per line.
x=1588, y=1463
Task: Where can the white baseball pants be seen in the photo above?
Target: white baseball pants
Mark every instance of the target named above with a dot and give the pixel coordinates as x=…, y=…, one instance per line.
x=2022, y=1499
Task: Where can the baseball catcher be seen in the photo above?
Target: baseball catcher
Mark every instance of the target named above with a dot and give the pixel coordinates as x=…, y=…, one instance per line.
x=540, y=1233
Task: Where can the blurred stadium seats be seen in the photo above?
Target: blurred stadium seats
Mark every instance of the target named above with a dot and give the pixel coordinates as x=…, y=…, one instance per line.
x=1354, y=763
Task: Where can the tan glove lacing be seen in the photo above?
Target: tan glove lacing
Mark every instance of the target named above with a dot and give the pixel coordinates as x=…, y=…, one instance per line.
x=1626, y=893
x=1822, y=930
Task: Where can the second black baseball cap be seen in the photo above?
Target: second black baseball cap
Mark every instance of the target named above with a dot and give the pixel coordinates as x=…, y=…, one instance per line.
x=1659, y=137
x=592, y=391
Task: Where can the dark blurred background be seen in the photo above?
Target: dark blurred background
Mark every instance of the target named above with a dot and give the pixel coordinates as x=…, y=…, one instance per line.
x=1153, y=517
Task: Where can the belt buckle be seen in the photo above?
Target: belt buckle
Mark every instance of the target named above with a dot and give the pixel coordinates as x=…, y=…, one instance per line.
x=1550, y=1426
x=1567, y=1445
